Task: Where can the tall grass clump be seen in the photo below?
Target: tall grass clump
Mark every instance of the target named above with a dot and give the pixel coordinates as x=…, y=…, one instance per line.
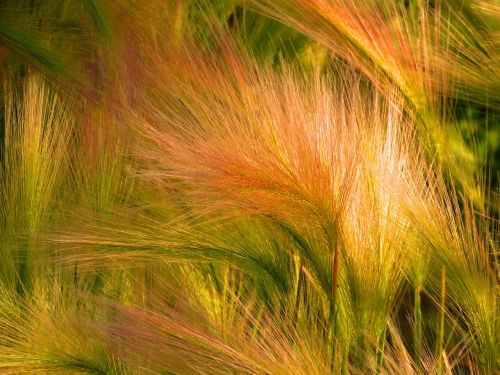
x=256, y=187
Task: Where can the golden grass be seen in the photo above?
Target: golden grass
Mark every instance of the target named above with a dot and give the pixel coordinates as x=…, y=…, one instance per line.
x=213, y=213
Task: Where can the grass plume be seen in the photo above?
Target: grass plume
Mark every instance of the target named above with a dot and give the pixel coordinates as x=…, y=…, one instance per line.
x=215, y=200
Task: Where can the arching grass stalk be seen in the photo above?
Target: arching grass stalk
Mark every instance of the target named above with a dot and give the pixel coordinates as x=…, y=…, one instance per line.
x=440, y=354
x=336, y=341
x=335, y=273
x=380, y=351
x=417, y=319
